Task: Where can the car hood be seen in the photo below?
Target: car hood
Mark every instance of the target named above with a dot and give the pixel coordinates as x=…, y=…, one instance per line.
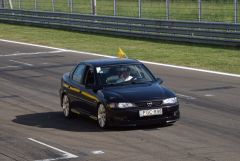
x=136, y=93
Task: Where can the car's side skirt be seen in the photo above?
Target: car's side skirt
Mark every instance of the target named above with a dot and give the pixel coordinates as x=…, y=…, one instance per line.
x=83, y=113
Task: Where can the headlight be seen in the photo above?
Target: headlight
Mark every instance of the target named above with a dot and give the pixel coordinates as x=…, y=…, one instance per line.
x=121, y=105
x=170, y=100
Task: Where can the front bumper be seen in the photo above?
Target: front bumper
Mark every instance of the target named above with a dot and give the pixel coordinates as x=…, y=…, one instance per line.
x=131, y=116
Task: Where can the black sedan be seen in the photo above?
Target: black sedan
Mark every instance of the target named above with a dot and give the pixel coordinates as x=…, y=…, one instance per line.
x=117, y=92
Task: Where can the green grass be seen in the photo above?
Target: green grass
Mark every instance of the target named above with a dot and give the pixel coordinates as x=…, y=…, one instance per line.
x=212, y=10
x=199, y=56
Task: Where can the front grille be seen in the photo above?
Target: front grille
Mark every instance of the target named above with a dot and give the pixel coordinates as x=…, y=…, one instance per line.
x=155, y=103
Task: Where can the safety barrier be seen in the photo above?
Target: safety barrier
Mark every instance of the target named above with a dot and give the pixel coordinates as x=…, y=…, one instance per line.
x=183, y=31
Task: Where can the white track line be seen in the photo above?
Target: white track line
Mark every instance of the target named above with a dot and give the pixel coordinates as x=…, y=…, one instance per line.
x=19, y=62
x=66, y=155
x=147, y=62
x=10, y=66
x=193, y=69
x=29, y=44
x=96, y=152
x=185, y=96
x=209, y=95
x=36, y=53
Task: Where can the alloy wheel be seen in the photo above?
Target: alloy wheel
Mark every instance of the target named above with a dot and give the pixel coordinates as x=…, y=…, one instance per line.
x=66, y=106
x=102, y=116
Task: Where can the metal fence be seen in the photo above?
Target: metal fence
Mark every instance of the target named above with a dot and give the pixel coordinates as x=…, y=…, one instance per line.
x=181, y=31
x=193, y=10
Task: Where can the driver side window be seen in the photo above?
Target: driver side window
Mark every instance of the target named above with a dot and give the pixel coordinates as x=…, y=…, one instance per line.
x=89, y=80
x=79, y=73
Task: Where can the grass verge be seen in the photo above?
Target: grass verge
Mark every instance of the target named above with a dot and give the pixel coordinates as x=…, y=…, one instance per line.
x=217, y=58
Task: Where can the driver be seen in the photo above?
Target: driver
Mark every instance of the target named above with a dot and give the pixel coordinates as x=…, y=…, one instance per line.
x=124, y=75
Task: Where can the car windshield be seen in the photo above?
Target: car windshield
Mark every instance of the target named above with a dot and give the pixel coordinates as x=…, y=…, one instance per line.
x=124, y=74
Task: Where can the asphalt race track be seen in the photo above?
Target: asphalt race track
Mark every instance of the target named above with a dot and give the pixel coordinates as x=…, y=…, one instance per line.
x=32, y=126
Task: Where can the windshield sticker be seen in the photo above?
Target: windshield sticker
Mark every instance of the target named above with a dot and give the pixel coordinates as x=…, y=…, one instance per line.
x=99, y=70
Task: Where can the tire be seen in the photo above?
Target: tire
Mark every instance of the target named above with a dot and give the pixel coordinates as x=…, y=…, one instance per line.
x=66, y=107
x=102, y=117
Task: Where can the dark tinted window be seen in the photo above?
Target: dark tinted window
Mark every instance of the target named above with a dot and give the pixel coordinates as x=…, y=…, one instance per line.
x=79, y=73
x=89, y=77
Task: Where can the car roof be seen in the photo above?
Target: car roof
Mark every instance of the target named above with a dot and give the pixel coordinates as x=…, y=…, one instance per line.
x=110, y=61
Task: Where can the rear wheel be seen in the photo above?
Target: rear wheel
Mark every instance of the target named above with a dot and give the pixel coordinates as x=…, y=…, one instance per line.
x=102, y=116
x=66, y=106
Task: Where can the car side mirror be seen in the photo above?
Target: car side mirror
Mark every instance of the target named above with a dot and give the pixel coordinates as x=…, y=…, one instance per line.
x=159, y=80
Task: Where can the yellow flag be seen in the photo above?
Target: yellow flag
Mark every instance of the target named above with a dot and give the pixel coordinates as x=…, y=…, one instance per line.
x=121, y=53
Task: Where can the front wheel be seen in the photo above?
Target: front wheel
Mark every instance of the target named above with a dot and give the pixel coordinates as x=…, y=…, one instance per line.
x=66, y=107
x=102, y=116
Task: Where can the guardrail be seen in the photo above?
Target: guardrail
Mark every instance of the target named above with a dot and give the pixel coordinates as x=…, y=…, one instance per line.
x=183, y=31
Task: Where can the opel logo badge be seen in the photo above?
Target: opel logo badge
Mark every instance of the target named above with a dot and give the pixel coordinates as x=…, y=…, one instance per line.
x=149, y=104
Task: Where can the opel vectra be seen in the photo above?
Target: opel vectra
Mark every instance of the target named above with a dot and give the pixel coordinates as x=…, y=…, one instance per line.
x=117, y=92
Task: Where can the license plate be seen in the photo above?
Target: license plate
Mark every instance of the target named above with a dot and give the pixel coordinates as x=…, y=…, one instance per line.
x=151, y=112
